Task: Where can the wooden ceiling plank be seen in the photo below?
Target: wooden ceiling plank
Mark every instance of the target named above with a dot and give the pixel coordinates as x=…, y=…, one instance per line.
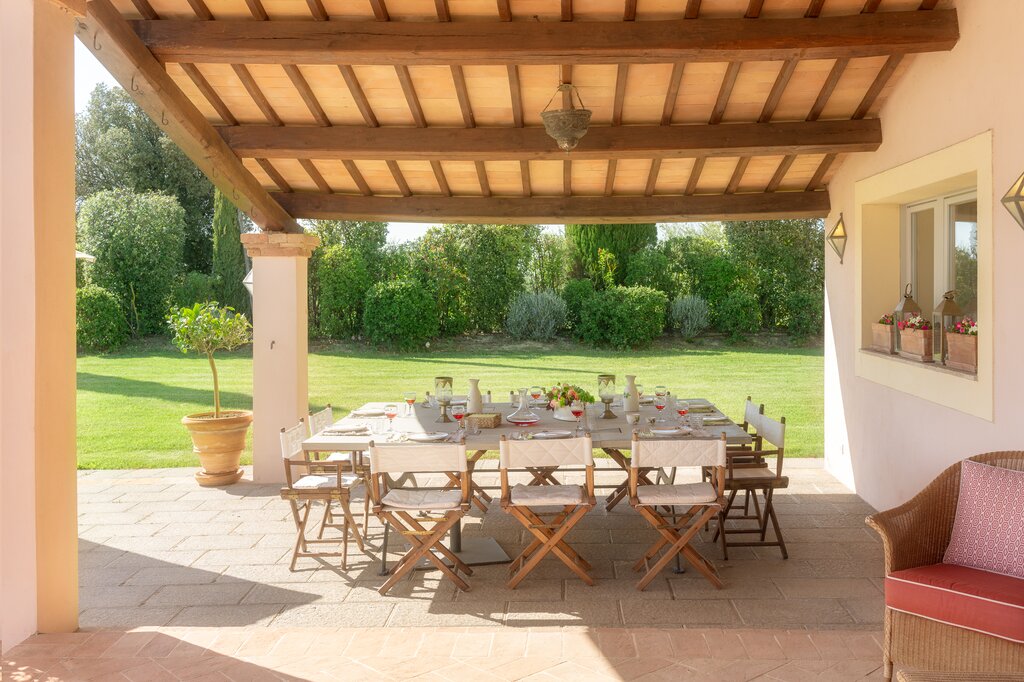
x=410, y=96
x=481, y=176
x=316, y=8
x=609, y=177
x=399, y=177
x=516, y=92
x=145, y=9
x=884, y=74
x=441, y=7
x=250, y=85
x=459, y=78
x=672, y=93
x=780, y=172
x=504, y=10
x=257, y=10
x=620, y=93
x=534, y=210
x=692, y=9
x=358, y=96
x=818, y=179
x=728, y=82
x=524, y=172
x=210, y=94
x=380, y=10
x=600, y=143
x=569, y=42
x=442, y=181
x=737, y=175
x=316, y=176
x=652, y=177
x=275, y=177
x=814, y=9
x=128, y=61
x=306, y=93
x=691, y=183
x=826, y=90
x=202, y=11
x=629, y=11
x=357, y=177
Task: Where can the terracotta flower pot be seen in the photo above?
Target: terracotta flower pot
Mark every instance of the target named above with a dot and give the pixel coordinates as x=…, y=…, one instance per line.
x=883, y=338
x=962, y=352
x=916, y=344
x=219, y=442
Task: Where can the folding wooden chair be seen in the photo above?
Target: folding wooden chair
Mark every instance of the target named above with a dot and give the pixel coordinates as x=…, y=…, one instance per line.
x=753, y=477
x=307, y=482
x=352, y=461
x=573, y=501
x=408, y=510
x=701, y=501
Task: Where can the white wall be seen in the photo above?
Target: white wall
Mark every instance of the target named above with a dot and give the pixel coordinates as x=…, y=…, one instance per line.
x=885, y=443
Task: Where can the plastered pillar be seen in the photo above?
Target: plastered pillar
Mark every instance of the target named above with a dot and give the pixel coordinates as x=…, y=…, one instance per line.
x=38, y=480
x=280, y=343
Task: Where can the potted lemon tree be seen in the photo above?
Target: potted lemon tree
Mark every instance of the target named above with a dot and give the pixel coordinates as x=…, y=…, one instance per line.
x=218, y=437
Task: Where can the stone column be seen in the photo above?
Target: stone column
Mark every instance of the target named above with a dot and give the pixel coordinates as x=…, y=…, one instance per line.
x=38, y=477
x=280, y=394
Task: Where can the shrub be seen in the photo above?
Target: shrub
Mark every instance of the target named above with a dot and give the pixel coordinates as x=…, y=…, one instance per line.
x=137, y=240
x=689, y=316
x=575, y=294
x=399, y=314
x=537, y=316
x=194, y=287
x=549, y=266
x=806, y=313
x=495, y=259
x=587, y=241
x=623, y=317
x=344, y=280
x=738, y=314
x=650, y=268
x=99, y=321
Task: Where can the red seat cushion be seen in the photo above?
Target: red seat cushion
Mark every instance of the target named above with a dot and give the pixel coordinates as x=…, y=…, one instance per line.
x=957, y=595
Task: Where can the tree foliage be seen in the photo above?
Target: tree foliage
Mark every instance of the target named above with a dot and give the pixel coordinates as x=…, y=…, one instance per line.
x=621, y=241
x=137, y=240
x=228, y=255
x=400, y=314
x=368, y=240
x=118, y=146
x=99, y=320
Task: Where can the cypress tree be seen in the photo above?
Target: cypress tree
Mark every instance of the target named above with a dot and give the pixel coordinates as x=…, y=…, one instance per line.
x=620, y=241
x=228, y=255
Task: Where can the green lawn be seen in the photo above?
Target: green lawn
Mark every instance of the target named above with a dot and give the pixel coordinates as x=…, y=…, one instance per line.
x=130, y=404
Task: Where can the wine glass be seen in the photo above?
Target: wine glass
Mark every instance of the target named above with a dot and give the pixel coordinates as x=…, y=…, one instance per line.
x=682, y=407
x=391, y=411
x=410, y=400
x=536, y=392
x=639, y=390
x=660, y=390
x=577, y=411
x=659, y=403
x=459, y=411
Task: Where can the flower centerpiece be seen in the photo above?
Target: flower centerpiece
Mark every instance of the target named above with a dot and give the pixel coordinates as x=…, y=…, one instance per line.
x=883, y=334
x=916, y=338
x=962, y=345
x=561, y=396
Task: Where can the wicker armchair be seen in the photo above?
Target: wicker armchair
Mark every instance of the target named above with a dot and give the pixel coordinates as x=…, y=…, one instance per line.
x=916, y=534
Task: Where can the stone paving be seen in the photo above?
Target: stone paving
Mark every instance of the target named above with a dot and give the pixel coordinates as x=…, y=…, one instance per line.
x=172, y=572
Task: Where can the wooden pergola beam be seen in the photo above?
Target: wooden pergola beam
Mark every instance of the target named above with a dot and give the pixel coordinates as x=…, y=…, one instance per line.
x=107, y=35
x=534, y=210
x=566, y=42
x=606, y=142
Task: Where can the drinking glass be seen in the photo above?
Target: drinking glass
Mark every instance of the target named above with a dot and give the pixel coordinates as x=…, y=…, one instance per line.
x=660, y=390
x=536, y=392
x=683, y=408
x=410, y=400
x=459, y=411
x=697, y=423
x=659, y=403
x=639, y=390
x=391, y=411
x=577, y=411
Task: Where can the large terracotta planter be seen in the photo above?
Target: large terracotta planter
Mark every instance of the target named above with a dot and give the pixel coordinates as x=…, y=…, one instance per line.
x=219, y=442
x=962, y=352
x=883, y=338
x=916, y=344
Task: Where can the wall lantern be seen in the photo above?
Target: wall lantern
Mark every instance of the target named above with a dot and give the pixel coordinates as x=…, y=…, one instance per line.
x=948, y=307
x=1014, y=200
x=247, y=282
x=907, y=307
x=566, y=126
x=837, y=238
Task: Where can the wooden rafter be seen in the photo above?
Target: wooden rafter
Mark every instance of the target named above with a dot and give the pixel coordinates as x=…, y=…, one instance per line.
x=316, y=8
x=629, y=11
x=567, y=42
x=504, y=10
x=566, y=12
x=145, y=9
x=202, y=11
x=396, y=173
x=566, y=178
x=250, y=85
x=516, y=93
x=357, y=177
x=441, y=7
x=652, y=177
x=814, y=9
x=105, y=32
x=524, y=171
x=818, y=179
x=380, y=10
x=274, y=175
x=692, y=9
x=257, y=10
x=620, y=93
x=601, y=142
x=358, y=96
x=771, y=103
x=315, y=175
x=780, y=173
x=826, y=90
x=672, y=93
x=609, y=178
x=442, y=181
x=877, y=85
x=306, y=93
x=535, y=209
x=203, y=85
x=753, y=9
x=409, y=90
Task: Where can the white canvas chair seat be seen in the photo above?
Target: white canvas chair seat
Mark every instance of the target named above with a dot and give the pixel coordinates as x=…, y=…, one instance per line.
x=422, y=500
x=682, y=494
x=547, y=495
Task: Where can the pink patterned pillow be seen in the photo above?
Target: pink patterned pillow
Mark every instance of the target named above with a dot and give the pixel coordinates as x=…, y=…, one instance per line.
x=988, y=531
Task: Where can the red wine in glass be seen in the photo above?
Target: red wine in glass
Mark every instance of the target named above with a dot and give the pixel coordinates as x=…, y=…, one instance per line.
x=577, y=412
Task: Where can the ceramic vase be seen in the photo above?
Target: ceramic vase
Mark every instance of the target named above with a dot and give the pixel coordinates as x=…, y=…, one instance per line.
x=475, y=404
x=632, y=403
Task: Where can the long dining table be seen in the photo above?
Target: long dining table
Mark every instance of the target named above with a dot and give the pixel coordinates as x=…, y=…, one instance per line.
x=612, y=436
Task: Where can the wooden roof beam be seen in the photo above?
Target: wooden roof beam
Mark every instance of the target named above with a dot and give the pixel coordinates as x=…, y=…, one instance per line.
x=567, y=42
x=108, y=36
x=533, y=210
x=603, y=142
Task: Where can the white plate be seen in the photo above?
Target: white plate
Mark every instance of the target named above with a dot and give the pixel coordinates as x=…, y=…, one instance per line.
x=369, y=412
x=346, y=430
x=553, y=434
x=431, y=437
x=670, y=431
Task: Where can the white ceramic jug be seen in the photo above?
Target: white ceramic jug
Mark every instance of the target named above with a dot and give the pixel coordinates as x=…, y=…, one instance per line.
x=475, y=404
x=632, y=403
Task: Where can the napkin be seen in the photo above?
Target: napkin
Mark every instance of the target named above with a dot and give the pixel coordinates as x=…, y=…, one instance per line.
x=354, y=430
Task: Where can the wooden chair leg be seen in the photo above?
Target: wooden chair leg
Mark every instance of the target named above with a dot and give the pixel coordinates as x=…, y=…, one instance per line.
x=344, y=543
x=300, y=540
x=366, y=512
x=422, y=546
x=770, y=512
x=725, y=545
x=679, y=544
x=551, y=541
x=556, y=521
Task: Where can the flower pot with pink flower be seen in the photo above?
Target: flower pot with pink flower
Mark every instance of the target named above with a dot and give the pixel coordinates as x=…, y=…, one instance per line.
x=561, y=397
x=883, y=335
x=962, y=345
x=916, y=339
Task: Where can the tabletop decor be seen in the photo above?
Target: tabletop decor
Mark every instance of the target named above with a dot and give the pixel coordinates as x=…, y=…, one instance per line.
x=962, y=345
x=883, y=335
x=524, y=415
x=916, y=338
x=483, y=420
x=561, y=396
x=632, y=401
x=606, y=389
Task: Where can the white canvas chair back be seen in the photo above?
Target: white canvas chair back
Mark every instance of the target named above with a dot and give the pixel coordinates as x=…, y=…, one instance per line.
x=291, y=440
x=752, y=414
x=664, y=454
x=318, y=421
x=426, y=458
x=519, y=454
x=773, y=431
